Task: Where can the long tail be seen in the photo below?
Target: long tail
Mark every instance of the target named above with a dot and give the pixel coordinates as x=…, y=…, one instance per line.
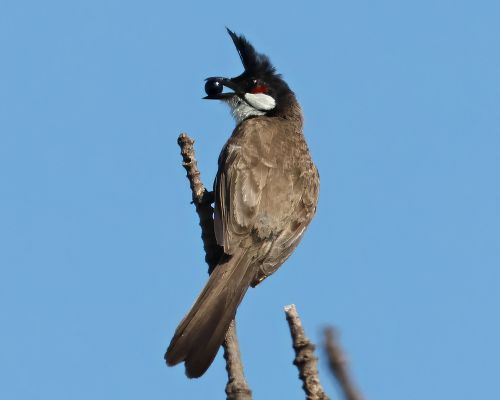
x=200, y=334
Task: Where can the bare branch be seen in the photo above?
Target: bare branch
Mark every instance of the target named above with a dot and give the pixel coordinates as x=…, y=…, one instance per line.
x=338, y=365
x=202, y=200
x=237, y=387
x=305, y=360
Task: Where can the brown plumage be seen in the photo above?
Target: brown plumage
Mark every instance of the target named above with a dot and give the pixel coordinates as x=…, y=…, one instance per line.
x=266, y=191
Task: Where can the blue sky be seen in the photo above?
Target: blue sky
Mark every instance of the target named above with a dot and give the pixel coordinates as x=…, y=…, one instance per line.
x=101, y=254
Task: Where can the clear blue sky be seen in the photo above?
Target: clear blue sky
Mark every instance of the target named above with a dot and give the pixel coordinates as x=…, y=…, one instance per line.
x=100, y=252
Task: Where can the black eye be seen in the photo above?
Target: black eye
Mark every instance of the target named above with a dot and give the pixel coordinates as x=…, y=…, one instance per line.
x=213, y=87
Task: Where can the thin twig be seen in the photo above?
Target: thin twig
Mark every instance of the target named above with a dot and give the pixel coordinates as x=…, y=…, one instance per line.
x=338, y=365
x=305, y=360
x=237, y=388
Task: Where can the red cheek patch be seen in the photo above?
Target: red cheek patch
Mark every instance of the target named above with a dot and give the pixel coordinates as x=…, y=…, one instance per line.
x=259, y=89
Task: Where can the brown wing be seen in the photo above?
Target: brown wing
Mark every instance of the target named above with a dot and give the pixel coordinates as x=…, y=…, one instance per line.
x=266, y=191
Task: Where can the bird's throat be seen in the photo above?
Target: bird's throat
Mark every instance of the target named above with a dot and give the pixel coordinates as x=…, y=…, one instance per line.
x=241, y=110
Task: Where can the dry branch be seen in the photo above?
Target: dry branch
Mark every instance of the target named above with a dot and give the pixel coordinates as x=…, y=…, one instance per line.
x=338, y=365
x=305, y=360
x=237, y=387
x=202, y=200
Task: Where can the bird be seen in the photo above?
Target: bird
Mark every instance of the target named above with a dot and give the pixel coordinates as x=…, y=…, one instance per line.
x=266, y=194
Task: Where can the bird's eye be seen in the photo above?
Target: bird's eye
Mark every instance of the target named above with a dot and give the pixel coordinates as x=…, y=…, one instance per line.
x=258, y=87
x=213, y=87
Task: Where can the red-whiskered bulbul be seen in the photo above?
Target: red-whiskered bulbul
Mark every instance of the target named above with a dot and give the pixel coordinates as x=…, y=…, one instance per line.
x=266, y=191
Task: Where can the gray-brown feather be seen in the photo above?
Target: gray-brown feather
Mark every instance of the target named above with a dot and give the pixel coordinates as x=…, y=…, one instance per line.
x=200, y=334
x=266, y=191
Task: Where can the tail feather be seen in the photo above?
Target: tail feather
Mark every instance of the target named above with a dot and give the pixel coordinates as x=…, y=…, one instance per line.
x=199, y=335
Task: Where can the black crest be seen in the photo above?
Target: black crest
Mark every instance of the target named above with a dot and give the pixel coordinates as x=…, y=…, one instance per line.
x=255, y=63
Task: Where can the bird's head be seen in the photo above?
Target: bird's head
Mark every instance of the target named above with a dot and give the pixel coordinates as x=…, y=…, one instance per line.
x=259, y=90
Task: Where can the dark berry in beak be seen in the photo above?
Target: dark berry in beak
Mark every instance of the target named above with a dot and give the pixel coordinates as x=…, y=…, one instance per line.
x=213, y=87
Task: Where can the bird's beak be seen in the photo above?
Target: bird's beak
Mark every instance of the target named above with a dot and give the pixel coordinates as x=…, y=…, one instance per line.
x=222, y=82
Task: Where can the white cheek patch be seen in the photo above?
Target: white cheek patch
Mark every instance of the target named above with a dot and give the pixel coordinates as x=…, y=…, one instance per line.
x=241, y=110
x=260, y=101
